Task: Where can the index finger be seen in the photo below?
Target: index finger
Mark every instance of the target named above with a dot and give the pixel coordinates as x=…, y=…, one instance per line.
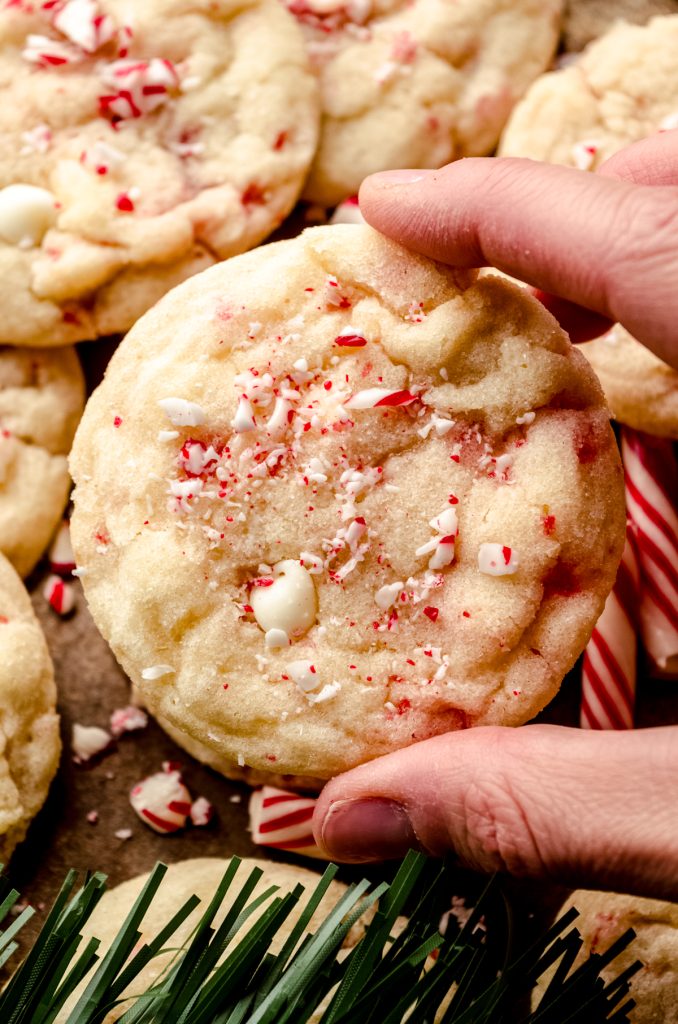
x=605, y=244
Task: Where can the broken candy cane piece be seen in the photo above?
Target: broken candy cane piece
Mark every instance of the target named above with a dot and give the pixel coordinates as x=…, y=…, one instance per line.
x=373, y=398
x=497, y=560
x=608, y=687
x=87, y=741
x=348, y=212
x=282, y=821
x=289, y=603
x=59, y=595
x=156, y=671
x=50, y=53
x=202, y=812
x=162, y=801
x=60, y=552
x=26, y=214
x=129, y=719
x=83, y=23
x=651, y=480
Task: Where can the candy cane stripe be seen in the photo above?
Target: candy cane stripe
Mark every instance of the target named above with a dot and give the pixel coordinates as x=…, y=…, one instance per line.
x=287, y=820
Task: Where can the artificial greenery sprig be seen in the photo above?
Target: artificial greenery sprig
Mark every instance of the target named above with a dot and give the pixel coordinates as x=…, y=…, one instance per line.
x=402, y=968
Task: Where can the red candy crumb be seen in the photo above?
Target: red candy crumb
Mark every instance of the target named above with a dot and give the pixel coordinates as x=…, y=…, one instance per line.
x=117, y=421
x=549, y=525
x=124, y=203
x=431, y=613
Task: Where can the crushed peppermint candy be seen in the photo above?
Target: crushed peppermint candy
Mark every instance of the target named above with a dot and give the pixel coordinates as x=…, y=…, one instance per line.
x=87, y=741
x=162, y=801
x=84, y=24
x=584, y=154
x=303, y=675
x=129, y=719
x=441, y=548
x=388, y=595
x=59, y=595
x=60, y=552
x=373, y=398
x=202, y=812
x=497, y=560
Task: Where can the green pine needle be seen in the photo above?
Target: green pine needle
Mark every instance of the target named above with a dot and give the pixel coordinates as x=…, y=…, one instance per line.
x=402, y=968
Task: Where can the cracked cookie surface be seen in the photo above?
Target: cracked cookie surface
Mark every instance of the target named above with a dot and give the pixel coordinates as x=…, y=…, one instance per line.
x=42, y=395
x=622, y=89
x=417, y=84
x=333, y=498
x=29, y=725
x=147, y=141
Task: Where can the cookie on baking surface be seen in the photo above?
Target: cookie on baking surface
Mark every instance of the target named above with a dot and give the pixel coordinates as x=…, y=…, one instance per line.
x=603, y=918
x=41, y=399
x=142, y=142
x=622, y=89
x=417, y=83
x=585, y=20
x=29, y=733
x=200, y=876
x=333, y=498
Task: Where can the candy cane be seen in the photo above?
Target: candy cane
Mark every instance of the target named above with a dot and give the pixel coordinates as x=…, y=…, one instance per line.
x=282, y=821
x=162, y=801
x=651, y=477
x=609, y=669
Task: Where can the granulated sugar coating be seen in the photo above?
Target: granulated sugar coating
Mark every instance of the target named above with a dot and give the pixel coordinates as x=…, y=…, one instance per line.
x=417, y=83
x=333, y=498
x=142, y=142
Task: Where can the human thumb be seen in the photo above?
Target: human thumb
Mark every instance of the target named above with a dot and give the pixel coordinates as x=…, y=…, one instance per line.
x=585, y=808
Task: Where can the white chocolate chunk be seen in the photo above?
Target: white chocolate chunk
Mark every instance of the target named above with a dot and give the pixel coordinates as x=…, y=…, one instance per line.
x=303, y=674
x=156, y=671
x=276, y=638
x=497, y=560
x=182, y=413
x=387, y=596
x=26, y=214
x=289, y=603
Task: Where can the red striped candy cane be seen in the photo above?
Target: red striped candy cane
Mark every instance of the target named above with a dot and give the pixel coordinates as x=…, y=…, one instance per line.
x=282, y=821
x=609, y=671
x=651, y=477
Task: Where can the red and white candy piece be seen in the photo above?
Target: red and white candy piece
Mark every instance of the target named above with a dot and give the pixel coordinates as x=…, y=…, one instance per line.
x=50, y=53
x=497, y=559
x=140, y=87
x=651, y=478
x=202, y=812
x=348, y=212
x=162, y=801
x=60, y=552
x=282, y=821
x=584, y=154
x=129, y=719
x=374, y=398
x=442, y=547
x=182, y=413
x=84, y=24
x=59, y=595
x=609, y=670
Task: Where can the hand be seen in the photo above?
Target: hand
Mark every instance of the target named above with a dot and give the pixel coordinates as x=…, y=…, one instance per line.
x=607, y=241
x=584, y=808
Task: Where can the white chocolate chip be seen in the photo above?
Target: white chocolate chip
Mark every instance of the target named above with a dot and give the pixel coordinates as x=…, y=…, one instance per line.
x=182, y=413
x=276, y=638
x=289, y=604
x=156, y=671
x=26, y=214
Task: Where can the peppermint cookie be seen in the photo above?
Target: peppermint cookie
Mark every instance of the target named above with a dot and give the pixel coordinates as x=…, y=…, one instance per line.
x=142, y=143
x=200, y=877
x=41, y=400
x=603, y=918
x=333, y=498
x=29, y=737
x=622, y=89
x=417, y=83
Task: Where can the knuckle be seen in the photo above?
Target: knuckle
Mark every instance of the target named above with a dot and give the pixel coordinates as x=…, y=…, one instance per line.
x=642, y=233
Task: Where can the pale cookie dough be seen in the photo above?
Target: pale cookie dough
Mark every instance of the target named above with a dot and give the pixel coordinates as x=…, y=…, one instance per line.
x=622, y=89
x=354, y=499
x=417, y=83
x=42, y=395
x=200, y=876
x=141, y=143
x=29, y=730
x=604, y=917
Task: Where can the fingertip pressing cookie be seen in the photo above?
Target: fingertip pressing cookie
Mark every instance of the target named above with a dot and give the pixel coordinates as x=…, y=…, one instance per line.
x=42, y=395
x=29, y=733
x=353, y=499
x=622, y=89
x=147, y=141
x=417, y=84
